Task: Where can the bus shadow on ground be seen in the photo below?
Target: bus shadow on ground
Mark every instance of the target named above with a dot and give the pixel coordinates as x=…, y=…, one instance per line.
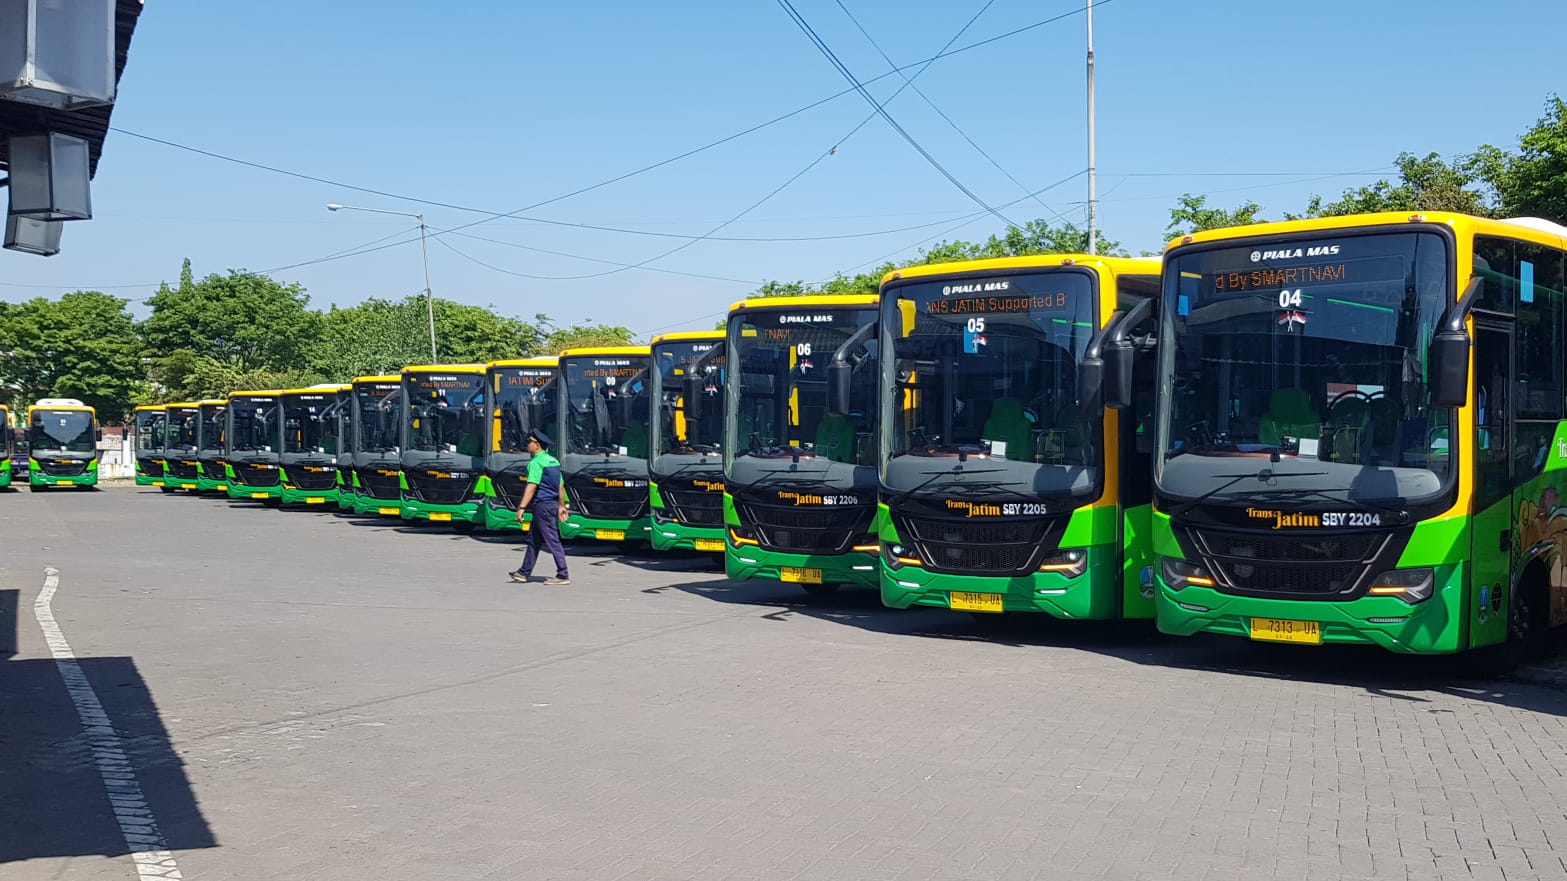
x=55, y=803
x=1378, y=672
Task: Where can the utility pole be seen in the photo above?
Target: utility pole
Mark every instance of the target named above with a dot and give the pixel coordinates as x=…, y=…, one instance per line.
x=1093, y=173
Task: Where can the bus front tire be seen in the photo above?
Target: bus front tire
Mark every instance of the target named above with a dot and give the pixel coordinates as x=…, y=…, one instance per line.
x=1528, y=617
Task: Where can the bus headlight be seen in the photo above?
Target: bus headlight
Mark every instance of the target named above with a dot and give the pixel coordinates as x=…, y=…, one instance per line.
x=740, y=536
x=1070, y=562
x=1410, y=585
x=897, y=556
x=1179, y=574
x=868, y=544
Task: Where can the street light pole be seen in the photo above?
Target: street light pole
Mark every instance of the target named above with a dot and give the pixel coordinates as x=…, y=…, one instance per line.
x=424, y=250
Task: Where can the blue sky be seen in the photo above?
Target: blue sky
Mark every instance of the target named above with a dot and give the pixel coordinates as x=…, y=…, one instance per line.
x=497, y=105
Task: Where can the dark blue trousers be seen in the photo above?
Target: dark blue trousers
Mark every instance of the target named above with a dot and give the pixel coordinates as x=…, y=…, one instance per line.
x=546, y=531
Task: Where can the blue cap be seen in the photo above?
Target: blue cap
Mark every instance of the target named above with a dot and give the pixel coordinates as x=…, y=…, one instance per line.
x=541, y=437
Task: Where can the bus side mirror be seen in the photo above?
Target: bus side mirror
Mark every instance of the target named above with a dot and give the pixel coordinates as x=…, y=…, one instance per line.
x=99, y=433
x=1449, y=360
x=1118, y=369
x=1090, y=383
x=840, y=385
x=691, y=388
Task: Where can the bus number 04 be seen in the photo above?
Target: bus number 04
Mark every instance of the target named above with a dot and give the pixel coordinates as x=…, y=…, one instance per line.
x=1289, y=299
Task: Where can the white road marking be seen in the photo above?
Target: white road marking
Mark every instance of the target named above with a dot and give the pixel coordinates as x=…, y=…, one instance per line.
x=137, y=825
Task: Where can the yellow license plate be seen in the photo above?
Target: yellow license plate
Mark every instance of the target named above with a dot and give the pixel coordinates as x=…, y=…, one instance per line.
x=390, y=512
x=439, y=517
x=223, y=488
x=314, y=500
x=157, y=483
x=258, y=495
x=798, y=575
x=967, y=601
x=710, y=544
x=1285, y=630
x=62, y=483
x=609, y=534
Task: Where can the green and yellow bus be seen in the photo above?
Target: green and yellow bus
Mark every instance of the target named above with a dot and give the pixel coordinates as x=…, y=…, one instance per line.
x=442, y=442
x=799, y=467
x=1011, y=482
x=340, y=426
x=307, y=459
x=522, y=395
x=62, y=444
x=375, y=446
x=182, y=422
x=686, y=471
x=150, y=467
x=250, y=446
x=1360, y=433
x=601, y=441
x=211, y=472
x=9, y=444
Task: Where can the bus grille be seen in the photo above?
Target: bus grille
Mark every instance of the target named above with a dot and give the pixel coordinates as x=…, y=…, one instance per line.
x=960, y=547
x=509, y=486
x=1321, y=565
x=439, y=490
x=150, y=466
x=380, y=486
x=696, y=508
x=323, y=477
x=185, y=469
x=608, y=503
x=212, y=469
x=253, y=475
x=63, y=467
x=806, y=530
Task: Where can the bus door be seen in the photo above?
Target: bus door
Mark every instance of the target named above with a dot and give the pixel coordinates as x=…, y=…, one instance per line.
x=1491, y=555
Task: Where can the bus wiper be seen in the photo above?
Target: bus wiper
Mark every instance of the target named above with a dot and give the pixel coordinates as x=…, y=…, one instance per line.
x=1261, y=476
x=992, y=486
x=937, y=475
x=1397, y=514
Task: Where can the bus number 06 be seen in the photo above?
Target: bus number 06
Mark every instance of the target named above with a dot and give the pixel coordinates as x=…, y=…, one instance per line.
x=802, y=349
x=1289, y=299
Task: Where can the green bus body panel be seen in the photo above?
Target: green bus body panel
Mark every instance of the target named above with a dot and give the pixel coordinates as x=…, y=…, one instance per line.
x=36, y=477
x=237, y=490
x=655, y=498
x=1137, y=563
x=752, y=562
x=463, y=512
x=311, y=497
x=5, y=476
x=1111, y=586
x=580, y=527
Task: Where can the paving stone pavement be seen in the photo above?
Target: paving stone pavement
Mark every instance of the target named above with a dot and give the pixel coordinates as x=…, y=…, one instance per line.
x=303, y=695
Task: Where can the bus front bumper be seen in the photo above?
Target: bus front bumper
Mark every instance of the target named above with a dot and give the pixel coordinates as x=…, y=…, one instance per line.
x=672, y=535
x=745, y=562
x=463, y=512
x=578, y=526
x=496, y=517
x=1434, y=626
x=259, y=493
x=1092, y=595
x=295, y=496
x=370, y=506
x=39, y=478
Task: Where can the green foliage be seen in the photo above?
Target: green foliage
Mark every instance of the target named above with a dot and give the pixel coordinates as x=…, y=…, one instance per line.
x=383, y=336
x=83, y=345
x=579, y=336
x=243, y=319
x=187, y=375
x=1532, y=182
x=1425, y=183
x=1192, y=214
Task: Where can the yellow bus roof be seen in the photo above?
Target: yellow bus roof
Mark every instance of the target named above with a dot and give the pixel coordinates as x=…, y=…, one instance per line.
x=687, y=336
x=213, y=402
x=1117, y=265
x=392, y=378
x=1386, y=218
x=536, y=361
x=607, y=350
x=255, y=394
x=806, y=302
x=447, y=368
x=139, y=407
x=328, y=391
x=47, y=407
x=183, y=405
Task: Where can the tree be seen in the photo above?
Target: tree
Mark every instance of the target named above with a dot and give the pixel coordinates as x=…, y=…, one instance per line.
x=83, y=345
x=1425, y=183
x=578, y=336
x=1533, y=182
x=242, y=319
x=1192, y=214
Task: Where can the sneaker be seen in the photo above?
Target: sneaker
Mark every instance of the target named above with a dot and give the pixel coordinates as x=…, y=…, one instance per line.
x=521, y=578
x=557, y=580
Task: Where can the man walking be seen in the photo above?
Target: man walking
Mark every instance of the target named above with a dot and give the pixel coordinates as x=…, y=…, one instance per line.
x=547, y=497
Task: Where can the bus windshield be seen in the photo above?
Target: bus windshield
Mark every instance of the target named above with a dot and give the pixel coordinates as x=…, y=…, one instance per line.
x=212, y=427
x=607, y=401
x=780, y=360
x=445, y=412
x=304, y=430
x=181, y=428
x=675, y=432
x=987, y=367
x=375, y=415
x=525, y=397
x=149, y=430
x=253, y=421
x=1307, y=357
x=62, y=430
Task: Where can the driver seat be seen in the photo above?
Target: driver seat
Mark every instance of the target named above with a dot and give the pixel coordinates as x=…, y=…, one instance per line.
x=1289, y=415
x=1008, y=424
x=835, y=438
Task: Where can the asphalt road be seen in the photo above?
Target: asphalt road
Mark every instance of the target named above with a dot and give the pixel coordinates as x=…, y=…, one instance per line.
x=293, y=694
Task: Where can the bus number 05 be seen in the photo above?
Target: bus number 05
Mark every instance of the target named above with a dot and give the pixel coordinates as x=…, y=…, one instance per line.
x=976, y=325
x=1289, y=299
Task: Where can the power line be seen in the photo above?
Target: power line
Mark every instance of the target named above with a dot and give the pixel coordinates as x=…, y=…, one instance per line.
x=909, y=82
x=589, y=259
x=881, y=110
